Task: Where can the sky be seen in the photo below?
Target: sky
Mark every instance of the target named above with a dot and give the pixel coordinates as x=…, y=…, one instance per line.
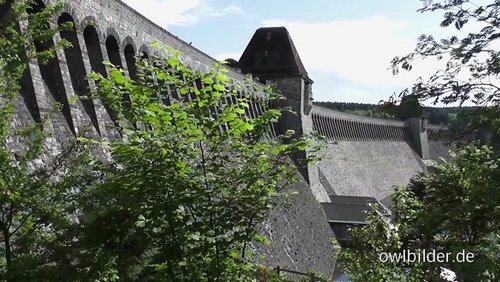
x=345, y=46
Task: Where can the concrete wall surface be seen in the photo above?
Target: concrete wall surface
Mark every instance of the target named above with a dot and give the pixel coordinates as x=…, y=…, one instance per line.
x=298, y=228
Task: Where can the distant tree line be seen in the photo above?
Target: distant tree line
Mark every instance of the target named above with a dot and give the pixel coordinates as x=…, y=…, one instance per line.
x=454, y=207
x=368, y=110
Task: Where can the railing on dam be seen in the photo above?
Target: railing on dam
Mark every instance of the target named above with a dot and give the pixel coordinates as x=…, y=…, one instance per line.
x=305, y=276
x=340, y=126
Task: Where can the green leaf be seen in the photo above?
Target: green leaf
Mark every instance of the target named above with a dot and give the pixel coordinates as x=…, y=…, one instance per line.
x=73, y=99
x=219, y=87
x=208, y=80
x=117, y=76
x=222, y=78
x=162, y=76
x=173, y=61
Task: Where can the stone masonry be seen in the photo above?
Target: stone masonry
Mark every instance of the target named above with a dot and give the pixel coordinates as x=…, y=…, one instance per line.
x=362, y=157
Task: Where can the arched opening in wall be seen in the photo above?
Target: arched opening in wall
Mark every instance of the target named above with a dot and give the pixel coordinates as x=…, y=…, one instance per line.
x=380, y=135
x=253, y=108
x=341, y=130
x=115, y=59
x=144, y=77
x=130, y=60
x=95, y=57
x=350, y=131
x=324, y=126
x=321, y=124
x=27, y=91
x=198, y=84
x=327, y=127
x=258, y=104
x=144, y=56
x=392, y=131
x=76, y=66
x=51, y=71
x=358, y=131
x=94, y=50
x=372, y=131
x=336, y=129
x=113, y=51
x=5, y=12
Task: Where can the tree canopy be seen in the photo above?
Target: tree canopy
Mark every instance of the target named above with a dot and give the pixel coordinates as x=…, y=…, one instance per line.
x=472, y=68
x=176, y=198
x=454, y=208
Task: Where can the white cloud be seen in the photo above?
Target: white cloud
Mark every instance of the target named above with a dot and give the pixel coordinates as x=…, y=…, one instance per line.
x=356, y=50
x=168, y=12
x=224, y=56
x=233, y=9
x=180, y=12
x=206, y=9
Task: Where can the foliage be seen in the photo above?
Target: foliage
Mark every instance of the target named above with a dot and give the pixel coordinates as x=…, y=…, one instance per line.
x=17, y=48
x=472, y=62
x=181, y=193
x=36, y=193
x=190, y=180
x=370, y=110
x=362, y=262
x=453, y=209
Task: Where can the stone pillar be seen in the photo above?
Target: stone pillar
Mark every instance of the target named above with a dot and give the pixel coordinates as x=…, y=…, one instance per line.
x=292, y=88
x=44, y=103
x=77, y=112
x=298, y=93
x=99, y=108
x=104, y=121
x=418, y=133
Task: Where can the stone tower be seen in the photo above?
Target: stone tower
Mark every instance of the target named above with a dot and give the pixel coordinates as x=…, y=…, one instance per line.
x=272, y=57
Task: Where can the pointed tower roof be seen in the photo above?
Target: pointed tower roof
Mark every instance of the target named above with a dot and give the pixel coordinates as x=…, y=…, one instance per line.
x=271, y=53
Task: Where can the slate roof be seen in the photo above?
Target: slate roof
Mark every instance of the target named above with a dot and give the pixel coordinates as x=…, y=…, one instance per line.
x=271, y=52
x=351, y=209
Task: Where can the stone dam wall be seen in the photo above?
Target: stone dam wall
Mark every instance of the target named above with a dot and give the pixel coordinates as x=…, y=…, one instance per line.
x=109, y=30
x=368, y=156
x=362, y=156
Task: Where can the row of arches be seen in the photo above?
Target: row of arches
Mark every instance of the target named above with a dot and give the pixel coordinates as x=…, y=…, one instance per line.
x=79, y=63
x=88, y=52
x=344, y=129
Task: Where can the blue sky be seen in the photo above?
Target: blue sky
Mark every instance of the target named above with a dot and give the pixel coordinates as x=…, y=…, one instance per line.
x=346, y=46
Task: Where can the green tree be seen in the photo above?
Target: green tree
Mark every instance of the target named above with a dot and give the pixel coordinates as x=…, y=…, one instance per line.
x=36, y=189
x=451, y=210
x=191, y=179
x=472, y=62
x=177, y=198
x=454, y=208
